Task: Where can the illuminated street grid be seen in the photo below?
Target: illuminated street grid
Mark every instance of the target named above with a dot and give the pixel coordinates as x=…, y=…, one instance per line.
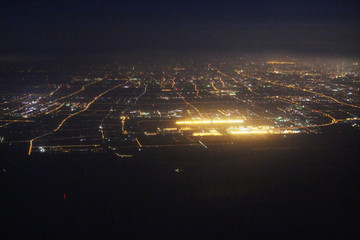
x=181, y=104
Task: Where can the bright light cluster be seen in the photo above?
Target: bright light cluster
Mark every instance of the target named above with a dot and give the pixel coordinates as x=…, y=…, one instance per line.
x=260, y=130
x=212, y=132
x=277, y=62
x=209, y=121
x=249, y=130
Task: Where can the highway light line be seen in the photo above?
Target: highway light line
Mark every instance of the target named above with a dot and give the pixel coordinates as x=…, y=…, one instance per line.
x=68, y=146
x=12, y=120
x=248, y=88
x=215, y=88
x=202, y=144
x=102, y=122
x=310, y=91
x=6, y=124
x=196, y=89
x=81, y=89
x=55, y=109
x=196, y=109
x=124, y=155
x=72, y=115
x=137, y=140
x=55, y=90
x=136, y=100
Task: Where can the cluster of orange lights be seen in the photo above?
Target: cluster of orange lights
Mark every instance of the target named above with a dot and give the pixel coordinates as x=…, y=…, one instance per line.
x=209, y=121
x=276, y=62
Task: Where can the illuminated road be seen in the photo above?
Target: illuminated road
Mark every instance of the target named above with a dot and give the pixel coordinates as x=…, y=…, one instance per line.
x=68, y=146
x=212, y=84
x=183, y=98
x=222, y=82
x=333, y=120
x=55, y=109
x=309, y=91
x=122, y=116
x=72, y=115
x=87, y=106
x=138, y=142
x=52, y=93
x=81, y=89
x=196, y=109
x=247, y=87
x=8, y=122
x=196, y=89
x=124, y=155
x=136, y=100
x=173, y=83
x=51, y=103
x=15, y=120
x=202, y=144
x=102, y=123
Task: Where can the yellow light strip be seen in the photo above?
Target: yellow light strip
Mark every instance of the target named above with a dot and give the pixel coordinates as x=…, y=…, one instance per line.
x=248, y=132
x=276, y=62
x=151, y=134
x=123, y=155
x=55, y=109
x=209, y=121
x=199, y=134
x=263, y=130
x=137, y=140
x=170, y=129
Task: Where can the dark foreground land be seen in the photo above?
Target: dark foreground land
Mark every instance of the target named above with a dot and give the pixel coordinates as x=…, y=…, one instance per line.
x=293, y=188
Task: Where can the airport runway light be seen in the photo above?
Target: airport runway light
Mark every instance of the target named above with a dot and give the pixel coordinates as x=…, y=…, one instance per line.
x=209, y=121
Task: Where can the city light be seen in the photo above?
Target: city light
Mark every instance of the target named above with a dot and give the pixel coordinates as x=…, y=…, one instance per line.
x=277, y=62
x=209, y=121
x=211, y=132
x=260, y=130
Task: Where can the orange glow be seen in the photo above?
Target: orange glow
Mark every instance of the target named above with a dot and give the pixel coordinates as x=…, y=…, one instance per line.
x=276, y=62
x=209, y=121
x=199, y=134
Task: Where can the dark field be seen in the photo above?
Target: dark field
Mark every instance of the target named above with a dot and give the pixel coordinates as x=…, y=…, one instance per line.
x=301, y=187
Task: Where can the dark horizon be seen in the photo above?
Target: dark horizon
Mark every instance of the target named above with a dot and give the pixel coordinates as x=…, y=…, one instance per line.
x=68, y=30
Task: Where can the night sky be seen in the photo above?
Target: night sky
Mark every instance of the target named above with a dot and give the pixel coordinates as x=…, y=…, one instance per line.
x=77, y=29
